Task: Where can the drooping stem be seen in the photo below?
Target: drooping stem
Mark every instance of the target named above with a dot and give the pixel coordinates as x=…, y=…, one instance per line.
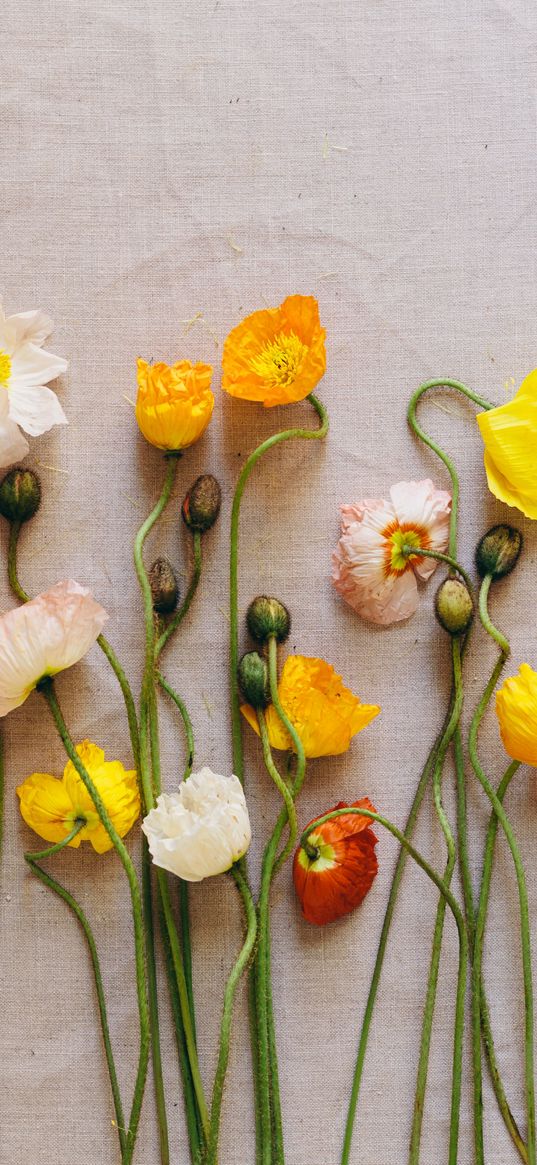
x=461, y=928
x=249, y=465
x=48, y=880
x=525, y=933
x=47, y=689
x=187, y=723
x=14, y=531
x=411, y=552
x=225, y=1029
x=184, y=608
x=432, y=983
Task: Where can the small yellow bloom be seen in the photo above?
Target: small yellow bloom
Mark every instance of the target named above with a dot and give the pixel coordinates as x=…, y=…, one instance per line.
x=324, y=712
x=52, y=806
x=516, y=709
x=510, y=437
x=276, y=356
x=174, y=403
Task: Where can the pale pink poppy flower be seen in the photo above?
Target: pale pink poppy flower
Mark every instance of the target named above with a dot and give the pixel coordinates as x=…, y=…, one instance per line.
x=370, y=569
x=45, y=636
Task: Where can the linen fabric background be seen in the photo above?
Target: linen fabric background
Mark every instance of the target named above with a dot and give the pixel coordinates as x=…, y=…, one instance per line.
x=166, y=169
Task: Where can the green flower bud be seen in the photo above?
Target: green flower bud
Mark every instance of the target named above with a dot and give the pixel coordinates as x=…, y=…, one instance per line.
x=20, y=494
x=266, y=617
x=454, y=606
x=254, y=680
x=498, y=551
x=164, y=588
x=201, y=506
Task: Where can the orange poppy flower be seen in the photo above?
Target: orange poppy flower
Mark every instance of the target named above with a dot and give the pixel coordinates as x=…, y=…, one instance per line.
x=276, y=356
x=335, y=881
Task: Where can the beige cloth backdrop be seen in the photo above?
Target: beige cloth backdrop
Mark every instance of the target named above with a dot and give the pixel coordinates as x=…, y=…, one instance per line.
x=167, y=168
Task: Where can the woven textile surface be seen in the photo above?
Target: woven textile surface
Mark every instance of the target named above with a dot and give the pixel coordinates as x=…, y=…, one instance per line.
x=165, y=169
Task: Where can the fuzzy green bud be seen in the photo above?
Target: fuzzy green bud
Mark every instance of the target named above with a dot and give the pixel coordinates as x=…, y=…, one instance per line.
x=20, y=494
x=164, y=588
x=266, y=618
x=454, y=606
x=254, y=679
x=498, y=551
x=201, y=506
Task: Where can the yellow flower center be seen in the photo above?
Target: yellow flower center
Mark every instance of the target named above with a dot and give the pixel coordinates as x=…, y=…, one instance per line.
x=280, y=360
x=5, y=369
x=398, y=541
x=325, y=859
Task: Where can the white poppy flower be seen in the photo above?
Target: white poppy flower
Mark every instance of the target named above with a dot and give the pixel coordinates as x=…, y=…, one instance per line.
x=25, y=369
x=45, y=636
x=202, y=829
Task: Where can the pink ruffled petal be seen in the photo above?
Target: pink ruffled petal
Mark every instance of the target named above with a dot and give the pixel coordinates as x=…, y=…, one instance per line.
x=419, y=504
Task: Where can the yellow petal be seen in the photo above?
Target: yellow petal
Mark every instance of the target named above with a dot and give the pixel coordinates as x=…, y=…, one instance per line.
x=46, y=807
x=516, y=708
x=118, y=788
x=510, y=434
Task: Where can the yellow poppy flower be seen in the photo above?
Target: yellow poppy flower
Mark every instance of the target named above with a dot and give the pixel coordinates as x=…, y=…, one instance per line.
x=324, y=712
x=510, y=436
x=51, y=806
x=174, y=403
x=516, y=709
x=276, y=356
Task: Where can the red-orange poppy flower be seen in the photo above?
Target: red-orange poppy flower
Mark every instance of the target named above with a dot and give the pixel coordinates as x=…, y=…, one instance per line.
x=334, y=879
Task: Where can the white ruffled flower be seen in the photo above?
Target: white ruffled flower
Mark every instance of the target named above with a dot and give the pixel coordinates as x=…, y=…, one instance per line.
x=45, y=636
x=202, y=829
x=25, y=369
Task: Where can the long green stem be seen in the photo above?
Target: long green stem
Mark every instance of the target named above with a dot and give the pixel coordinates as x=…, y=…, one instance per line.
x=150, y=772
x=383, y=942
x=183, y=610
x=432, y=984
x=48, y=880
x=187, y=723
x=231, y=986
x=193, y=1122
x=463, y=942
x=249, y=465
x=236, y=727
x=503, y=820
x=47, y=690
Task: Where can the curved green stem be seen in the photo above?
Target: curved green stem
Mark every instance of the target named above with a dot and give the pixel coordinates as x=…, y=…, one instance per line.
x=187, y=723
x=14, y=531
x=463, y=946
x=432, y=984
x=47, y=689
x=276, y=439
x=503, y=820
x=411, y=552
x=183, y=610
x=231, y=986
x=47, y=880
x=423, y=436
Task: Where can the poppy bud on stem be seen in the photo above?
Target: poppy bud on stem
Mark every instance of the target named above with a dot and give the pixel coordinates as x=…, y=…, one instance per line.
x=498, y=551
x=454, y=606
x=164, y=588
x=201, y=506
x=20, y=495
x=268, y=618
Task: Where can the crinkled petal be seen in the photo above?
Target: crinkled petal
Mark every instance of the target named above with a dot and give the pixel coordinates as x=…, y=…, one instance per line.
x=46, y=807
x=35, y=408
x=31, y=365
x=44, y=637
x=13, y=446
x=33, y=326
x=419, y=505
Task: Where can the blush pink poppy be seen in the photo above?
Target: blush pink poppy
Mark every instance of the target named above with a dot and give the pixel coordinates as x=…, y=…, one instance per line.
x=370, y=568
